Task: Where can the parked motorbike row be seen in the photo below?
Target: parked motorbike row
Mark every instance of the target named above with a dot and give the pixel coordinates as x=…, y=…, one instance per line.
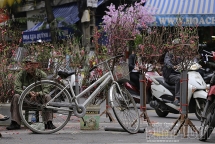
x=201, y=93
x=160, y=94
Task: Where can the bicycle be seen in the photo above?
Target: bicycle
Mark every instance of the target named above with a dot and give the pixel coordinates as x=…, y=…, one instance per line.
x=63, y=101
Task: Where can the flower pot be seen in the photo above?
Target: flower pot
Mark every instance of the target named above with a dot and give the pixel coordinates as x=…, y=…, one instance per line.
x=5, y=110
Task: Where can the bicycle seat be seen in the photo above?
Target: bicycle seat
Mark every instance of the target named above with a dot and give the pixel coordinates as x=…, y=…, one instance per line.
x=64, y=75
x=165, y=84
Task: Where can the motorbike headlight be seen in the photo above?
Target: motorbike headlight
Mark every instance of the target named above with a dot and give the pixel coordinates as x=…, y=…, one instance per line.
x=194, y=67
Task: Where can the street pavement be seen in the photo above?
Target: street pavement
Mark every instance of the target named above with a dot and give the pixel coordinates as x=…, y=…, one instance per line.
x=71, y=133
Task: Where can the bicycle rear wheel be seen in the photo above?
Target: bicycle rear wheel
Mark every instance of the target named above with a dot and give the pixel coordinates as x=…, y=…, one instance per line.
x=124, y=108
x=34, y=113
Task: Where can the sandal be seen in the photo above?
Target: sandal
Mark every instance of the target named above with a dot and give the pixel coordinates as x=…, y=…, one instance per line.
x=4, y=118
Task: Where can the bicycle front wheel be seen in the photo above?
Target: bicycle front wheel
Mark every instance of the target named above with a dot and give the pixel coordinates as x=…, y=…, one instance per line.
x=124, y=108
x=40, y=118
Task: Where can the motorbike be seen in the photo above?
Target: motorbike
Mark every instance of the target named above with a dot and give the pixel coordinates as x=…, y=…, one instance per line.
x=208, y=115
x=135, y=92
x=208, y=65
x=163, y=94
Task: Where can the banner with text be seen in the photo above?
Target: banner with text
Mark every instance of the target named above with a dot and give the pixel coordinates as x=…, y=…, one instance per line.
x=187, y=20
x=44, y=35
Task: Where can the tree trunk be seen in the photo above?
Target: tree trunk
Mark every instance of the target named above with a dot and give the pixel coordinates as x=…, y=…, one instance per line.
x=51, y=20
x=82, y=5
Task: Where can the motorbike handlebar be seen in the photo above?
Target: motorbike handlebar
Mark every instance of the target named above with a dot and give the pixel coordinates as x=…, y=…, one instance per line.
x=207, y=52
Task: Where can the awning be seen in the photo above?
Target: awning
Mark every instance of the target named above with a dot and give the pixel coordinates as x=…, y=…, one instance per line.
x=68, y=14
x=192, y=12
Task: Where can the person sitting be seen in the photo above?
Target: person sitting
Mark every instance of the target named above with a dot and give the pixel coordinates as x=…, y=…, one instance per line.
x=24, y=78
x=134, y=69
x=171, y=76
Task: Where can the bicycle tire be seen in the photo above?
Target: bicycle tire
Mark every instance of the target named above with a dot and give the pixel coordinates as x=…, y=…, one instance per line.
x=206, y=127
x=41, y=125
x=130, y=122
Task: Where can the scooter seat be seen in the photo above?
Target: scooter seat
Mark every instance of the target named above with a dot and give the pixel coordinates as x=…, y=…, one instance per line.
x=165, y=84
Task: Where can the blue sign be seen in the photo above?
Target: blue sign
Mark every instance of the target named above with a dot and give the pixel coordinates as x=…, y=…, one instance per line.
x=44, y=35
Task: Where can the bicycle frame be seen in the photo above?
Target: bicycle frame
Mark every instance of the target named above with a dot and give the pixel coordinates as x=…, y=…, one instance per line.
x=104, y=80
x=64, y=102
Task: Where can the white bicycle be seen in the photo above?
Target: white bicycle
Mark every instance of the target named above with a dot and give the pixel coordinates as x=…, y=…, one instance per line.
x=62, y=101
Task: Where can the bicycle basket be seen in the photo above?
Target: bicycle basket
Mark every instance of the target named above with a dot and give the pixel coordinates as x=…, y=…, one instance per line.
x=121, y=71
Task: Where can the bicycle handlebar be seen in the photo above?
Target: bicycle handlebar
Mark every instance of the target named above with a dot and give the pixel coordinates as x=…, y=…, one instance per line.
x=118, y=56
x=94, y=67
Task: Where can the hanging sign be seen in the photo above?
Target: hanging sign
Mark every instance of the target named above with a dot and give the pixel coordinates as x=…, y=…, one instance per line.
x=92, y=3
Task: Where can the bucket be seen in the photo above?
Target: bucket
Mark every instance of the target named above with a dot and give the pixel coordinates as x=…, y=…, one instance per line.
x=91, y=119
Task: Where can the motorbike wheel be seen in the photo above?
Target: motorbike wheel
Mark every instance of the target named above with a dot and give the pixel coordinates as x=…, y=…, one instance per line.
x=161, y=113
x=206, y=127
x=198, y=112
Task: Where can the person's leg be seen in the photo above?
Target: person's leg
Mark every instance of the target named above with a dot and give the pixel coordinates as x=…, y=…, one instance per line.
x=15, y=117
x=48, y=116
x=134, y=77
x=175, y=79
x=15, y=109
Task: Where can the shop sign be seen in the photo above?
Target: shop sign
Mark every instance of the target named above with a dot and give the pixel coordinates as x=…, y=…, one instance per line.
x=44, y=35
x=187, y=20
